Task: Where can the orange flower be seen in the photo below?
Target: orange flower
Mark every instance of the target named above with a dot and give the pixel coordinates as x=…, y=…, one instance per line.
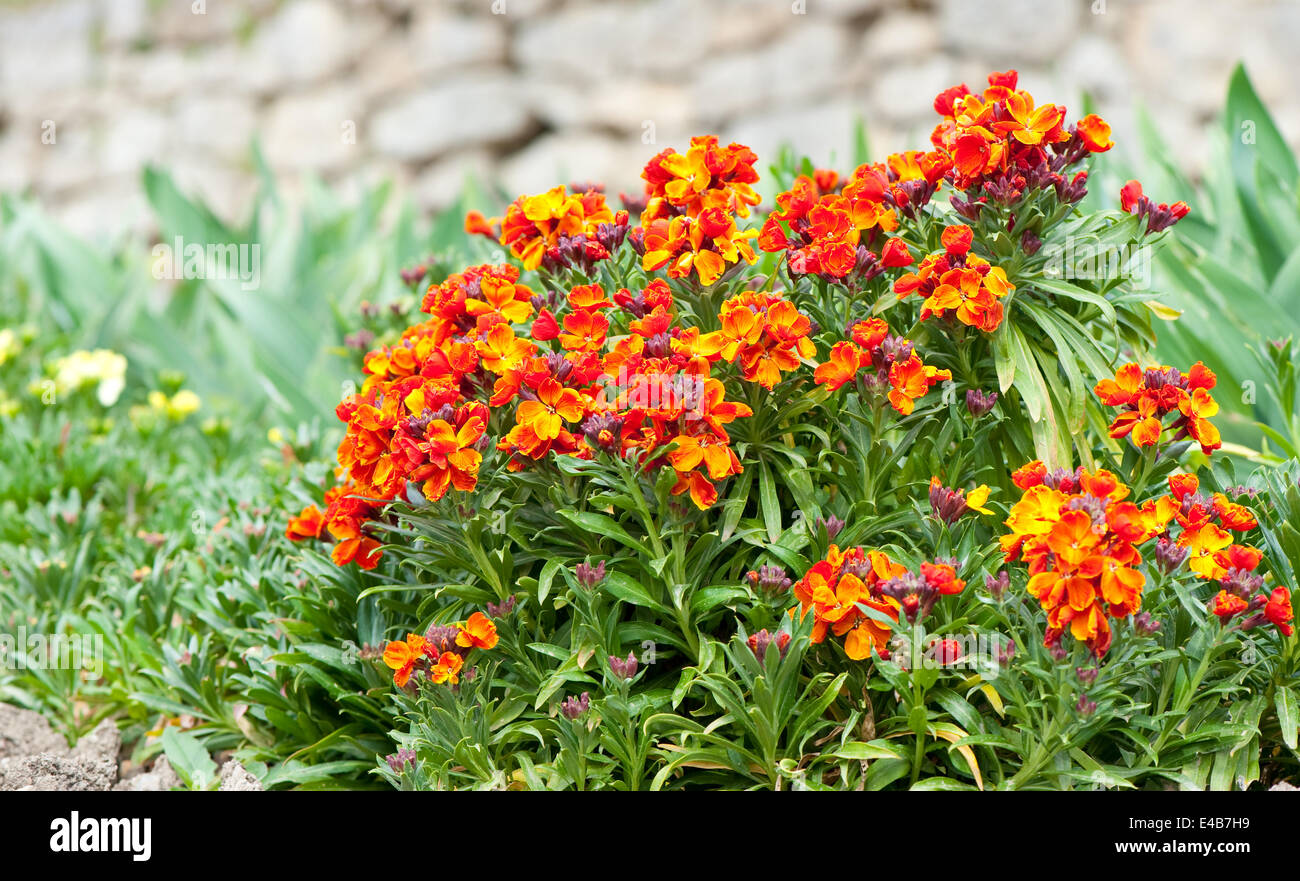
x=1147, y=397
x=845, y=362
x=534, y=223
x=447, y=669
x=958, y=283
x=584, y=331
x=1227, y=605
x=499, y=350
x=1079, y=536
x=708, y=176
x=767, y=334
x=1095, y=133
x=401, y=657
x=836, y=591
x=478, y=632
x=911, y=380
x=1278, y=610
x=705, y=244
x=546, y=415
x=306, y=525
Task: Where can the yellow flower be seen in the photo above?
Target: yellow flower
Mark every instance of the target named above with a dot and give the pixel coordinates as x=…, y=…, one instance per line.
x=178, y=406
x=9, y=345
x=976, y=498
x=105, y=369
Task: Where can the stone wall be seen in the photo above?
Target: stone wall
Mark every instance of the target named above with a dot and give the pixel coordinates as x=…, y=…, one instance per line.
x=537, y=91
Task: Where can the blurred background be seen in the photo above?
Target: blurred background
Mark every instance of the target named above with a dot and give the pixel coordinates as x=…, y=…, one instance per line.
x=530, y=92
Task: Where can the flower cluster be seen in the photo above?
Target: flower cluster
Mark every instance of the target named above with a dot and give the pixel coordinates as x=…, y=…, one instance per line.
x=822, y=233
x=441, y=652
x=649, y=392
x=1146, y=397
x=551, y=223
x=1205, y=541
x=855, y=593
x=838, y=590
x=104, y=369
x=1159, y=216
x=706, y=177
x=1001, y=144
x=764, y=333
x=1079, y=534
x=891, y=361
x=693, y=199
x=706, y=244
x=958, y=284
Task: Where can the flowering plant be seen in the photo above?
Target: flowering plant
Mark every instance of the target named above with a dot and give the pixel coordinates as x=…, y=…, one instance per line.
x=853, y=488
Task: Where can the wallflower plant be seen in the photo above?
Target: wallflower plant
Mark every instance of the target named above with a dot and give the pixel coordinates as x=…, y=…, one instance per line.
x=850, y=489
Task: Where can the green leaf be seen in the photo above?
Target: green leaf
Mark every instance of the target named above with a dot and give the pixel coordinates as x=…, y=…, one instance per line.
x=1287, y=715
x=631, y=591
x=768, y=503
x=188, y=757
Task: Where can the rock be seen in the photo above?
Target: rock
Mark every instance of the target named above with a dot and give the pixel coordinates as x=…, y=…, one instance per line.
x=579, y=156
x=188, y=21
x=159, y=75
x=46, y=48
x=235, y=778
x=222, y=125
x=458, y=113
x=160, y=778
x=439, y=185
x=905, y=92
x=1010, y=32
x=308, y=41
x=136, y=137
x=100, y=746
x=823, y=132
x=896, y=37
x=25, y=733
x=124, y=21
x=808, y=62
x=845, y=8
x=46, y=772
x=664, y=37
x=622, y=105
x=70, y=162
x=1094, y=65
x=441, y=41
x=317, y=130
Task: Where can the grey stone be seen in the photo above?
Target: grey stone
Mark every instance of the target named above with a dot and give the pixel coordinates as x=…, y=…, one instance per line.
x=46, y=772
x=235, y=778
x=160, y=778
x=458, y=113
x=24, y=733
x=1009, y=32
x=310, y=39
x=578, y=156
x=317, y=130
x=809, y=60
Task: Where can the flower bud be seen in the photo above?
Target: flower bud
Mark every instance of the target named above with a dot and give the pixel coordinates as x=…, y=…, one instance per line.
x=623, y=668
